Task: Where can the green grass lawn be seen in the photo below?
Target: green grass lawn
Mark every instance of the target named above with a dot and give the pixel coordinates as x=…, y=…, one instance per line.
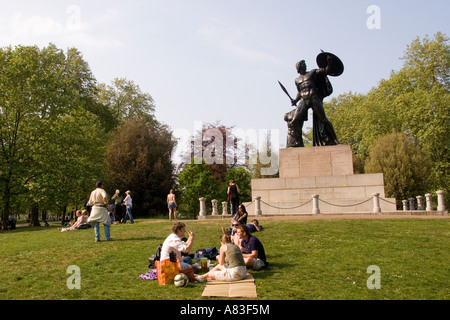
x=309, y=259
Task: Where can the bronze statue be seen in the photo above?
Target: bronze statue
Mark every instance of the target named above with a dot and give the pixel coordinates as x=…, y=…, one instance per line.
x=313, y=86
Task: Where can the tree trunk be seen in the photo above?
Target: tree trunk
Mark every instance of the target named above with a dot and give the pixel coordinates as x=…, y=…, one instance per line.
x=35, y=215
x=63, y=219
x=5, y=213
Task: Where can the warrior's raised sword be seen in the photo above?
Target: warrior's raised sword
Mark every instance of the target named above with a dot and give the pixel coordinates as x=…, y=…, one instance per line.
x=285, y=91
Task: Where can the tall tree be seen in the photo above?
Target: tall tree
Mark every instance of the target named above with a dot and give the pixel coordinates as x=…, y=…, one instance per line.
x=36, y=87
x=414, y=100
x=138, y=158
x=404, y=166
x=196, y=181
x=126, y=100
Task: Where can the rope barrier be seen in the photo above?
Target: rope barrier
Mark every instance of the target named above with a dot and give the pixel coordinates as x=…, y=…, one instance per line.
x=286, y=208
x=345, y=205
x=248, y=205
x=386, y=200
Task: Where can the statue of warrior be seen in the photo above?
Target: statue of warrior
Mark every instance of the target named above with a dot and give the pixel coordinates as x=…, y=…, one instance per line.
x=313, y=86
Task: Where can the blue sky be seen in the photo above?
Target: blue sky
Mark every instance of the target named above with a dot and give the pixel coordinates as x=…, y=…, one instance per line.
x=211, y=60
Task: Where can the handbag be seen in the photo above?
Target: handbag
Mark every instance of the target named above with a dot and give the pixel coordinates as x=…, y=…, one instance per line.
x=189, y=272
x=155, y=257
x=166, y=270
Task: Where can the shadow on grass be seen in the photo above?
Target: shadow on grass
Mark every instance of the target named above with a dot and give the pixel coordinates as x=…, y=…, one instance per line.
x=148, y=238
x=30, y=228
x=271, y=270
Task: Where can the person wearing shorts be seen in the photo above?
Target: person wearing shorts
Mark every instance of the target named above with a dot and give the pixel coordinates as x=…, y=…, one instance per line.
x=231, y=265
x=172, y=205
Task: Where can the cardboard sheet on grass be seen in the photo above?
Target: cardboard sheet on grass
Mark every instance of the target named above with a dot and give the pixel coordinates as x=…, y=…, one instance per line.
x=232, y=289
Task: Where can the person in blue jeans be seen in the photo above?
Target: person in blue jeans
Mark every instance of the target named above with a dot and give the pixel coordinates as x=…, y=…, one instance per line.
x=98, y=200
x=129, y=204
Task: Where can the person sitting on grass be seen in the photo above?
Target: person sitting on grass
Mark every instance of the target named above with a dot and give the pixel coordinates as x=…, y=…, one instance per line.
x=229, y=254
x=252, y=249
x=241, y=215
x=232, y=233
x=175, y=244
x=254, y=226
x=81, y=218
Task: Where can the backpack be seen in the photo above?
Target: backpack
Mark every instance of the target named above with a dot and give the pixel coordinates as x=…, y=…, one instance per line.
x=155, y=257
x=209, y=253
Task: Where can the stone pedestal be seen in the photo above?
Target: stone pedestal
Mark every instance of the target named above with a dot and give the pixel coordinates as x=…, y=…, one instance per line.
x=323, y=171
x=315, y=161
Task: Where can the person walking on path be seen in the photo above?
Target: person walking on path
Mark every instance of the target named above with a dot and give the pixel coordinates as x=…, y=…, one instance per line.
x=99, y=201
x=129, y=205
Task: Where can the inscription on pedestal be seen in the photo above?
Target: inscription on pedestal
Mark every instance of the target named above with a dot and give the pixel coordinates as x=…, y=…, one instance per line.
x=315, y=161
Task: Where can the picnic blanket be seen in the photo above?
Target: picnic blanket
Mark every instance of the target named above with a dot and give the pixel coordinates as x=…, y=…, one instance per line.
x=232, y=289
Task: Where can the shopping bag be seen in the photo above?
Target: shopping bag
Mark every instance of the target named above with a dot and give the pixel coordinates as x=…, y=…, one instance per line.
x=167, y=270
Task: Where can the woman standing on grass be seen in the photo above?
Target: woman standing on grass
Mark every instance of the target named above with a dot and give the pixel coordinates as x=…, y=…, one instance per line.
x=172, y=205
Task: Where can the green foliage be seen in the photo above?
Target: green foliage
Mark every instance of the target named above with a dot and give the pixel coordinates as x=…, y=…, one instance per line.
x=415, y=100
x=125, y=100
x=404, y=166
x=138, y=159
x=39, y=88
x=196, y=181
x=73, y=160
x=243, y=180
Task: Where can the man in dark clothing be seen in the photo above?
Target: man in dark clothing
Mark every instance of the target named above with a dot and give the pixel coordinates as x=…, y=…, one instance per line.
x=252, y=249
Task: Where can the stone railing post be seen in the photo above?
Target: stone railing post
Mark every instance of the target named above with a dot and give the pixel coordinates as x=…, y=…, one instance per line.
x=441, y=202
x=429, y=196
x=258, y=211
x=376, y=203
x=315, y=198
x=411, y=204
x=224, y=208
x=405, y=205
x=202, y=212
x=215, y=210
x=419, y=202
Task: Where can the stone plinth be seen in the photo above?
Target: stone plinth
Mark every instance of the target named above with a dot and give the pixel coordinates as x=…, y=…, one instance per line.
x=316, y=161
x=323, y=171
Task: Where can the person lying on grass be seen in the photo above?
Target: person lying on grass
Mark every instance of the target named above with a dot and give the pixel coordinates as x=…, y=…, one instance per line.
x=229, y=254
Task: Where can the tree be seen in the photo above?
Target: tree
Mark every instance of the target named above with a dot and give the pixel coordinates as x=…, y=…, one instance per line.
x=74, y=161
x=125, y=100
x=138, y=158
x=414, y=100
x=404, y=166
x=37, y=86
x=243, y=179
x=194, y=182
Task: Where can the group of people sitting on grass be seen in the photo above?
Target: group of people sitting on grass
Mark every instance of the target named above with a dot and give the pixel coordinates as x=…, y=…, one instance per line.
x=80, y=222
x=239, y=251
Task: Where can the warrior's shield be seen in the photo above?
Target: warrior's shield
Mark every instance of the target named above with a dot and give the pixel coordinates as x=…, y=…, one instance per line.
x=337, y=67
